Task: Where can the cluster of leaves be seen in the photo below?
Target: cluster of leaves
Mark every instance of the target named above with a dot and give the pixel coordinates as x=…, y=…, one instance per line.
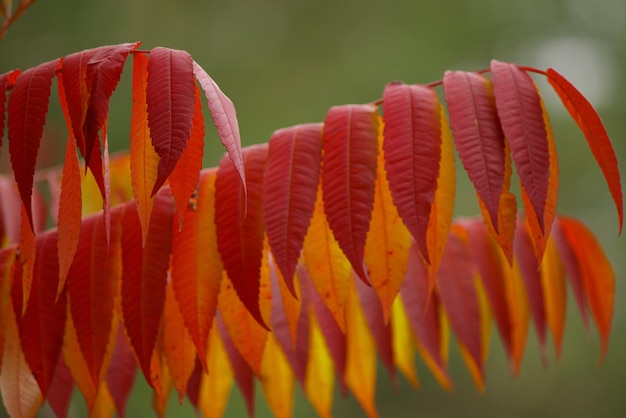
x=302, y=259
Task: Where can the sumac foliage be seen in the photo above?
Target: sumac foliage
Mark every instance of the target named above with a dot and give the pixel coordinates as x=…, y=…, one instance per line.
x=298, y=261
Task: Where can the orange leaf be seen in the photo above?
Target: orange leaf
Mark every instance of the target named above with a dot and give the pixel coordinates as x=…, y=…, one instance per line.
x=554, y=293
x=590, y=123
x=196, y=267
x=519, y=311
x=386, y=251
x=178, y=347
x=597, y=275
x=320, y=377
x=143, y=158
x=327, y=266
x=184, y=178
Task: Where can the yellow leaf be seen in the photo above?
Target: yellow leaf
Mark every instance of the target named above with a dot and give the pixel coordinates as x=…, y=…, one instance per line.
x=403, y=343
x=554, y=293
x=320, y=378
x=277, y=379
x=216, y=385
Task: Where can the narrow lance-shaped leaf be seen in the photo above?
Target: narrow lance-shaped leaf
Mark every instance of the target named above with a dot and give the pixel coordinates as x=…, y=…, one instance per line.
x=289, y=191
x=224, y=117
x=320, y=377
x=6, y=80
x=196, y=267
x=61, y=389
x=348, y=176
x=521, y=115
x=70, y=200
x=143, y=159
x=215, y=386
x=277, y=379
x=239, y=225
x=477, y=134
x=7, y=266
x=42, y=325
x=28, y=106
x=388, y=241
x=121, y=375
x=590, y=123
x=412, y=147
x=597, y=276
x=103, y=72
x=184, y=177
x=144, y=276
x=554, y=294
x=403, y=343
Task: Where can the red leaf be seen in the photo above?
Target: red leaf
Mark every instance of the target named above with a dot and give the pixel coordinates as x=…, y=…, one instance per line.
x=93, y=286
x=239, y=225
x=74, y=71
x=590, y=123
x=529, y=268
x=6, y=80
x=144, y=276
x=412, y=148
x=43, y=323
x=10, y=210
x=7, y=266
x=224, y=117
x=121, y=374
x=350, y=147
x=196, y=267
x=422, y=309
x=61, y=388
x=28, y=106
x=477, y=134
x=103, y=72
x=597, y=275
x=460, y=300
x=184, y=178
x=70, y=200
x=521, y=116
x=170, y=98
x=289, y=192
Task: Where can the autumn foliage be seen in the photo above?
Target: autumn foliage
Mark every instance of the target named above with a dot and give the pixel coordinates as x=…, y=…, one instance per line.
x=300, y=260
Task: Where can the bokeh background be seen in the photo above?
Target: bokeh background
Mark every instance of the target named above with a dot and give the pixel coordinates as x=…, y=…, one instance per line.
x=285, y=62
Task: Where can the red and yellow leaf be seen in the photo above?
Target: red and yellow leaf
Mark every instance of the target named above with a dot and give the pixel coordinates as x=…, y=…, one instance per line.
x=349, y=144
x=386, y=251
x=144, y=276
x=477, y=134
x=289, y=192
x=184, y=177
x=521, y=115
x=28, y=106
x=143, y=158
x=196, y=267
x=277, y=379
x=597, y=275
x=412, y=148
x=224, y=118
x=554, y=294
x=590, y=123
x=239, y=225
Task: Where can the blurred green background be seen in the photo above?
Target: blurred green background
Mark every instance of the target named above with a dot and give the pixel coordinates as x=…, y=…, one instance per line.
x=284, y=62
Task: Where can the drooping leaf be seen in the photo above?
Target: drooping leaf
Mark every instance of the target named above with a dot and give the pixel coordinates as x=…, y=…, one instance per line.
x=289, y=192
x=350, y=146
x=144, y=276
x=388, y=241
x=597, y=276
x=20, y=392
x=10, y=210
x=239, y=225
x=216, y=385
x=459, y=297
x=196, y=267
x=28, y=248
x=6, y=80
x=7, y=266
x=143, y=158
x=178, y=347
x=554, y=294
x=519, y=311
x=477, y=134
x=121, y=375
x=327, y=268
x=521, y=115
x=103, y=72
x=42, y=325
x=28, y=106
x=184, y=177
x=170, y=98
x=590, y=123
x=320, y=377
x=224, y=117
x=61, y=388
x=412, y=148
x=403, y=343
x=277, y=379
x=70, y=199
x=93, y=287
x=529, y=268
